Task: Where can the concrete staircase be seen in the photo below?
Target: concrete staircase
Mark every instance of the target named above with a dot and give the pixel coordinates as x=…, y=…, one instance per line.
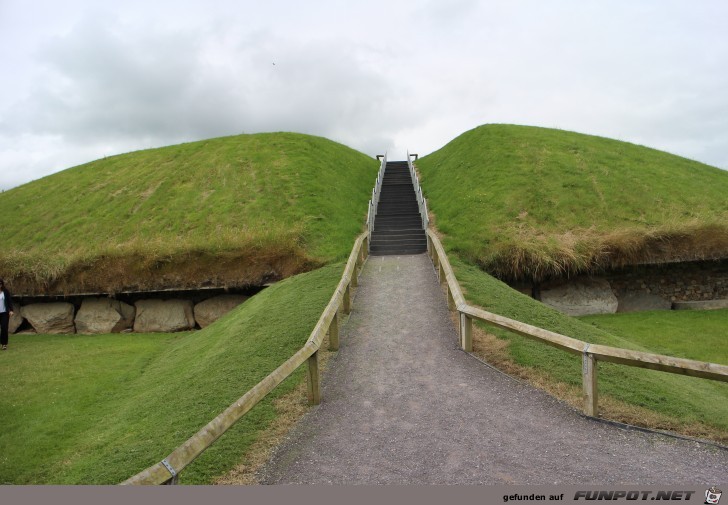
x=398, y=224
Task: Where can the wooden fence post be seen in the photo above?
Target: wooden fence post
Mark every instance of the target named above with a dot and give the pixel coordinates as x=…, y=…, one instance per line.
x=314, y=387
x=355, y=275
x=450, y=299
x=334, y=333
x=441, y=273
x=589, y=381
x=466, y=332
x=359, y=259
x=347, y=300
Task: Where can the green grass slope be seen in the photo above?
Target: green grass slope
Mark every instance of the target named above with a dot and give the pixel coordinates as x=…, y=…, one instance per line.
x=235, y=210
x=698, y=335
x=686, y=404
x=98, y=409
x=529, y=203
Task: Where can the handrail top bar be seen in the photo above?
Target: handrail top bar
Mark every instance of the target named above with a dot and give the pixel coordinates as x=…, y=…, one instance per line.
x=449, y=274
x=553, y=338
x=704, y=369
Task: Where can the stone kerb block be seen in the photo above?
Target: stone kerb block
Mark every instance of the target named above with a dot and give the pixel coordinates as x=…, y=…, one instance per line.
x=104, y=315
x=52, y=318
x=154, y=316
x=582, y=297
x=209, y=311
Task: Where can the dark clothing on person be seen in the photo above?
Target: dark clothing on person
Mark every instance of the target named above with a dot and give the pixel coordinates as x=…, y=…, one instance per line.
x=5, y=317
x=4, y=323
x=8, y=300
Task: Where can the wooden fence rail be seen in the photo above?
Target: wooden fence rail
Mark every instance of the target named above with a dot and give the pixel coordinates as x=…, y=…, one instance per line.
x=167, y=471
x=591, y=353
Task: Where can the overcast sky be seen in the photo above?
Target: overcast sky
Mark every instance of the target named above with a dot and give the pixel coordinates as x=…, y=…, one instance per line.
x=83, y=79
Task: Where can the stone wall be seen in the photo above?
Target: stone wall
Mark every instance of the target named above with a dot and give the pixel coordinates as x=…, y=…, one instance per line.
x=100, y=315
x=645, y=287
x=679, y=282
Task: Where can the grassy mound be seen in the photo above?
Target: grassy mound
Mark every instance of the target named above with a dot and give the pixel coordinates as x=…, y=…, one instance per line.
x=132, y=399
x=528, y=203
x=638, y=396
x=228, y=211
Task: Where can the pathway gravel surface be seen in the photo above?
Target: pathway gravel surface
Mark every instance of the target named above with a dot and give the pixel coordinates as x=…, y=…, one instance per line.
x=402, y=404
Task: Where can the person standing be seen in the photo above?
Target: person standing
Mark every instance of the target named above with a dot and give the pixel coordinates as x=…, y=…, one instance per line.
x=6, y=310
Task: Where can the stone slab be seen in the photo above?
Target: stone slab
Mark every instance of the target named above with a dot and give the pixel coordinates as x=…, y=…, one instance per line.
x=104, y=315
x=582, y=297
x=210, y=310
x=51, y=318
x=163, y=316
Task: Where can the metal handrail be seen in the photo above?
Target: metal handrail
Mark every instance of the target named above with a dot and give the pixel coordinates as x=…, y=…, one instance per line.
x=421, y=203
x=374, y=202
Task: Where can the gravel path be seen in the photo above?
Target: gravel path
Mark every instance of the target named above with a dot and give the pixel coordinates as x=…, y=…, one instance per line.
x=403, y=405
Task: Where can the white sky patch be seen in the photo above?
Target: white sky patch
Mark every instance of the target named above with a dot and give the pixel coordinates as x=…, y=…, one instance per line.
x=85, y=79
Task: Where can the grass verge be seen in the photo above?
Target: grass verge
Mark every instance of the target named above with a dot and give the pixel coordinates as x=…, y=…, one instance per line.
x=97, y=409
x=698, y=335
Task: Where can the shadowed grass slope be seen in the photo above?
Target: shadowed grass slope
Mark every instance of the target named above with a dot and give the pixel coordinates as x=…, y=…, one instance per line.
x=531, y=203
x=98, y=409
x=228, y=211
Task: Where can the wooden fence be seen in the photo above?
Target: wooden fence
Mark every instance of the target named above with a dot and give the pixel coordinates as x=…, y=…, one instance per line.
x=591, y=353
x=167, y=471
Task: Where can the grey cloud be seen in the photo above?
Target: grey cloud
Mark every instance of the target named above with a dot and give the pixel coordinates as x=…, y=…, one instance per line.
x=100, y=86
x=424, y=72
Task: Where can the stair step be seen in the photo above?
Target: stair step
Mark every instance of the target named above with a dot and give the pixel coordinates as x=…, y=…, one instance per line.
x=401, y=231
x=388, y=194
x=391, y=251
x=400, y=237
x=414, y=209
x=409, y=201
x=398, y=200
x=389, y=217
x=394, y=228
x=399, y=243
x=393, y=216
x=402, y=222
